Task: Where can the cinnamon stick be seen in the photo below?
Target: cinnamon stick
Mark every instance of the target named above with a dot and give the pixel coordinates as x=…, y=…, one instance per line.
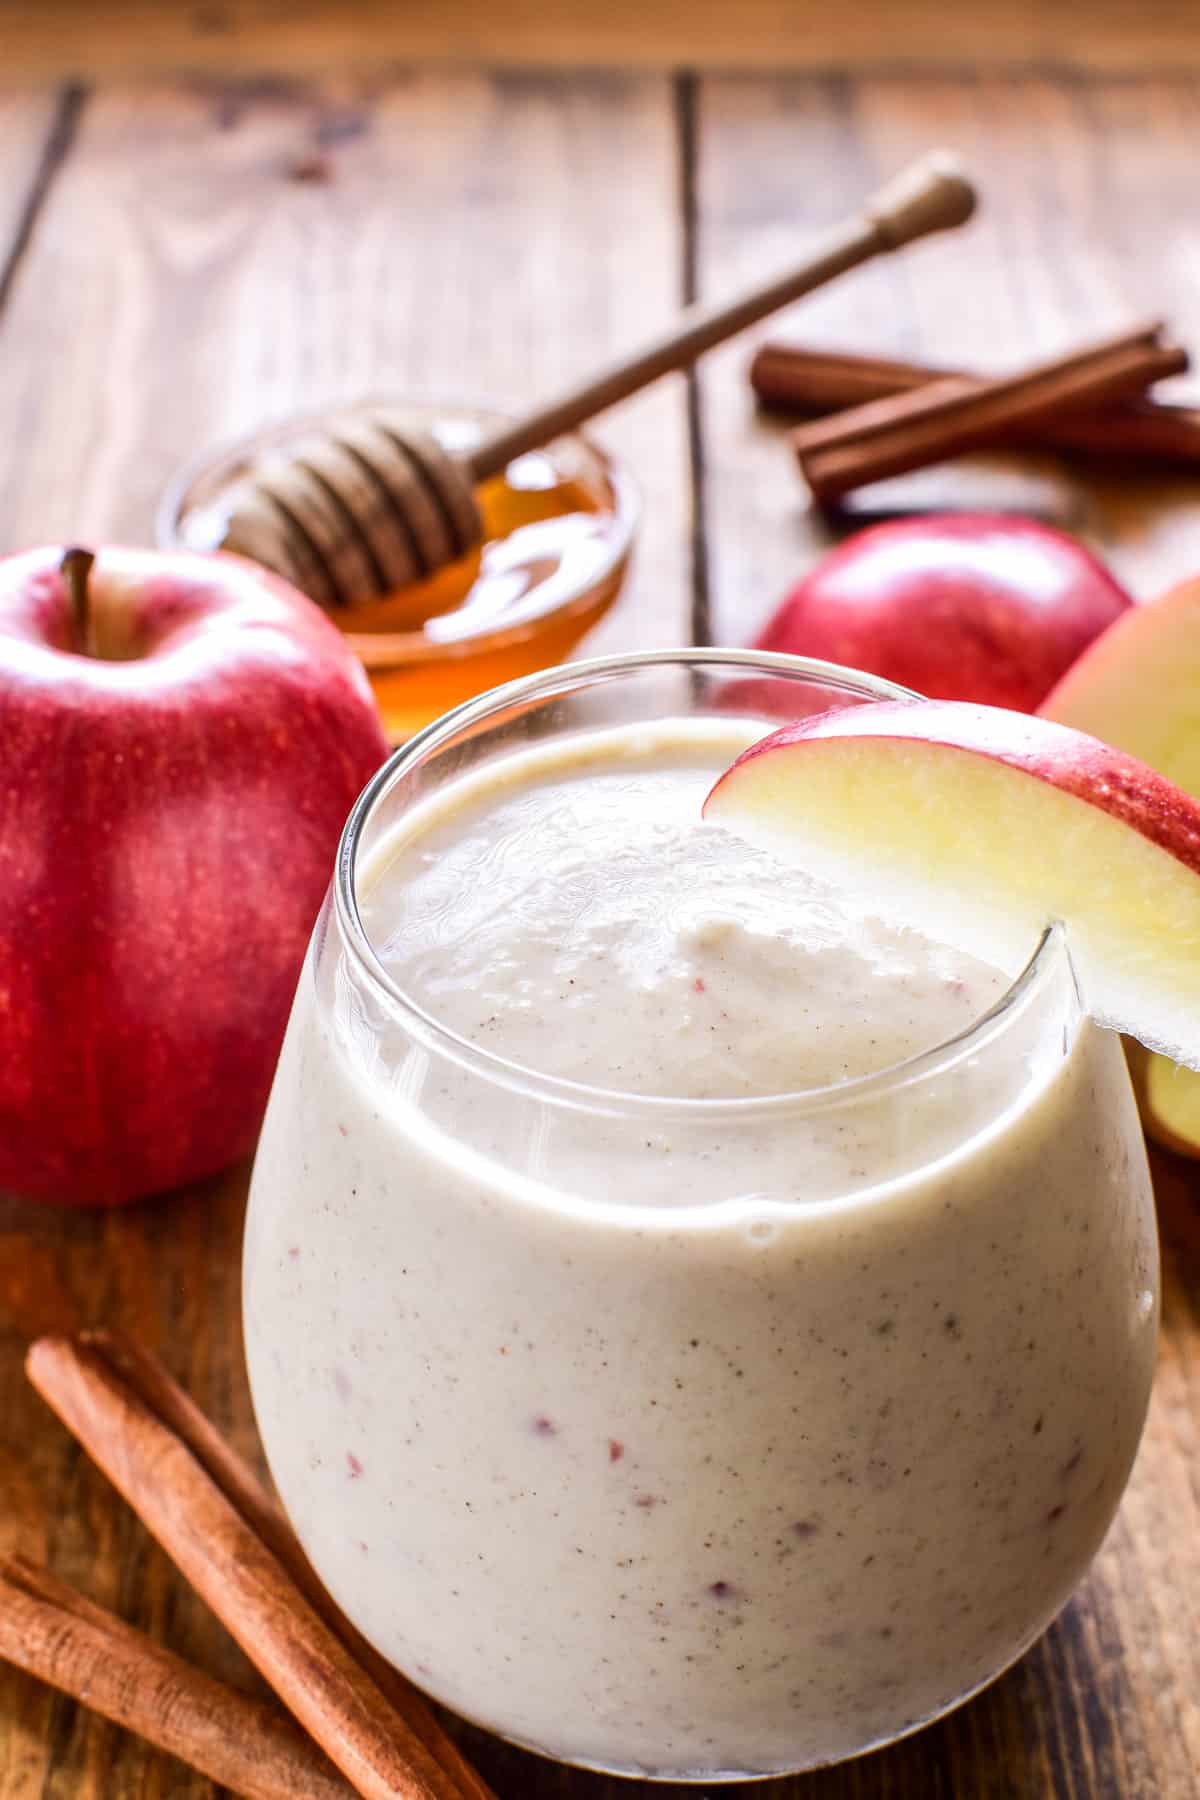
x=787, y=378
x=161, y=1395
x=236, y=1574
x=50, y=1630
x=945, y=418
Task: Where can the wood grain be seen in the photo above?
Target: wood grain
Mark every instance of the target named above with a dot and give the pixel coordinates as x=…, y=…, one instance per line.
x=222, y=1557
x=57, y=1634
x=168, y=1272
x=1048, y=262
x=210, y=254
x=36, y=125
x=306, y=35
x=1080, y=242
x=1106, y=1704
x=213, y=256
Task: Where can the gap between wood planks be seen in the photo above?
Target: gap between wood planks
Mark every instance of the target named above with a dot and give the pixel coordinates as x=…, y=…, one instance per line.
x=60, y=136
x=686, y=103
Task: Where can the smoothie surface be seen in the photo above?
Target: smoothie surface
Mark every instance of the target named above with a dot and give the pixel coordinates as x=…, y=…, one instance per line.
x=569, y=910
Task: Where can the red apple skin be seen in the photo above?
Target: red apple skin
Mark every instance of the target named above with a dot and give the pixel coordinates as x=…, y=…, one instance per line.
x=1073, y=762
x=168, y=827
x=959, y=606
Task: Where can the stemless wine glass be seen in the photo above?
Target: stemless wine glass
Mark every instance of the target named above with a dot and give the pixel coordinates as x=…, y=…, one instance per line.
x=720, y=1488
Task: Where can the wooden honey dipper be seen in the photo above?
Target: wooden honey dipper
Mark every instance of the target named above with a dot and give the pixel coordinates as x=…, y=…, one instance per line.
x=368, y=505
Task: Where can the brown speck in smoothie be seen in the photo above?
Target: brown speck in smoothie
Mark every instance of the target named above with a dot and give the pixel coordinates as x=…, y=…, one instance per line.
x=616, y=1449
x=1073, y=1461
x=1055, y=1513
x=646, y=1501
x=354, y=1466
x=1038, y=1423
x=544, y=1427
x=805, y=1528
x=951, y=1326
x=312, y=170
x=722, y=1590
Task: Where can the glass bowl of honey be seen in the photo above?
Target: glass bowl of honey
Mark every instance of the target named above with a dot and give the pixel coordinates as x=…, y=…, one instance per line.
x=558, y=532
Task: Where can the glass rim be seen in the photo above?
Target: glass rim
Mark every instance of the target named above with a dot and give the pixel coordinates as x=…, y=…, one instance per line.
x=1042, y=962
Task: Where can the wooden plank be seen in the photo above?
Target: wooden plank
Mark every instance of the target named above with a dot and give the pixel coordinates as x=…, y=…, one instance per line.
x=35, y=123
x=1070, y=1722
x=777, y=161
x=1084, y=225
x=188, y=279
x=310, y=35
x=470, y=235
x=178, y=259
x=1089, y=225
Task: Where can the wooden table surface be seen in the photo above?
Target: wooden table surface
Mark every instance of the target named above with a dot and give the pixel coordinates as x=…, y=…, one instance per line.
x=186, y=258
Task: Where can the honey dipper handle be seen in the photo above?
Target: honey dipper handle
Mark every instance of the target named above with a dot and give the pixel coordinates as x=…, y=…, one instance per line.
x=931, y=195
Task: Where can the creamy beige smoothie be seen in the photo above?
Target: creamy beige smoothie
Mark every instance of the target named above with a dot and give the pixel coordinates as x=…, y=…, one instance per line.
x=637, y=1408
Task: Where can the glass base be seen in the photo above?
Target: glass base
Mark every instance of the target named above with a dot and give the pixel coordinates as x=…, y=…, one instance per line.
x=730, y=1777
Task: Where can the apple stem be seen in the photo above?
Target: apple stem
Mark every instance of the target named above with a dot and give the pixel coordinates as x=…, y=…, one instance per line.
x=76, y=566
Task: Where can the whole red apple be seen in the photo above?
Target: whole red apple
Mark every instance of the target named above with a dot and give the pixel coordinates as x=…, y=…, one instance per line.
x=960, y=606
x=181, y=738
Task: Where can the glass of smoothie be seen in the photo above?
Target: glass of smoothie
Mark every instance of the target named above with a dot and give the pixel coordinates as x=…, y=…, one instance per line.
x=699, y=1328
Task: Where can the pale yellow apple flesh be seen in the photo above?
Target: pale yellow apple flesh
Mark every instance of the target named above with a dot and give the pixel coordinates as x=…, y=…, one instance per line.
x=1168, y=1097
x=1138, y=687
x=981, y=827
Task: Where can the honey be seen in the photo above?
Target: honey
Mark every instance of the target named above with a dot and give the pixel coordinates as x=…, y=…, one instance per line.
x=543, y=576
x=557, y=531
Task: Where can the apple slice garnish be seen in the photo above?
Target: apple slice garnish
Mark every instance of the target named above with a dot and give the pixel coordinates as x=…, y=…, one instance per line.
x=982, y=827
x=1138, y=687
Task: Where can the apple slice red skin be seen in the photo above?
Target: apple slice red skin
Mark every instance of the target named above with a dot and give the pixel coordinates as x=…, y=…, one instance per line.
x=1071, y=761
x=167, y=831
